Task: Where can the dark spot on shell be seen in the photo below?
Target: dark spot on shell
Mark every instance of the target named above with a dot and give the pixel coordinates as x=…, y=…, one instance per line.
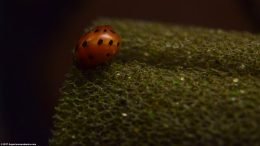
x=110, y=42
x=100, y=42
x=84, y=44
x=105, y=30
x=108, y=54
x=90, y=57
x=118, y=44
x=97, y=30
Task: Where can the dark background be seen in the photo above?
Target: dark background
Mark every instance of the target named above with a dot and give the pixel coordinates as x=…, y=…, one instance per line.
x=39, y=35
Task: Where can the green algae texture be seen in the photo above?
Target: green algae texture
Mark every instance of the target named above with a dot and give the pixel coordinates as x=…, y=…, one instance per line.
x=169, y=85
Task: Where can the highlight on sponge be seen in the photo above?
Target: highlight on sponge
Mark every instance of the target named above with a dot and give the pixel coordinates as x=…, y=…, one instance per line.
x=169, y=85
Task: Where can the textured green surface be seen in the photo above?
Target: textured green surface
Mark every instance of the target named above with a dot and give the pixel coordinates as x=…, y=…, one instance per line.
x=169, y=85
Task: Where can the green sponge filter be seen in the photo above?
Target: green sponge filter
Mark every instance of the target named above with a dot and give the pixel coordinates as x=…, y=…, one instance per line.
x=169, y=85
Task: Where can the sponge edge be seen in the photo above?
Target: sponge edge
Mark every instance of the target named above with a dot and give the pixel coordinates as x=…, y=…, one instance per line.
x=169, y=85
